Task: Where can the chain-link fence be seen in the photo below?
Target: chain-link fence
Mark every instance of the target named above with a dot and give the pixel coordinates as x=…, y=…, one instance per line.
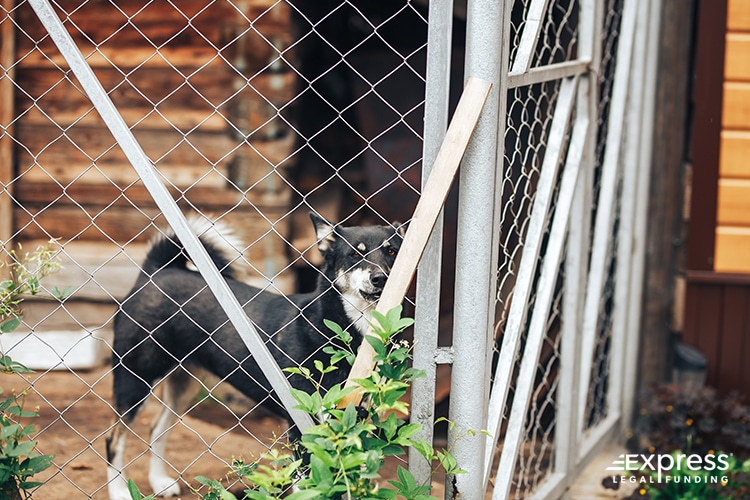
x=254, y=113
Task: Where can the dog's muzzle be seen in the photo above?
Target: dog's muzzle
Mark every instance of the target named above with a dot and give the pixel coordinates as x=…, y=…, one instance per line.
x=377, y=282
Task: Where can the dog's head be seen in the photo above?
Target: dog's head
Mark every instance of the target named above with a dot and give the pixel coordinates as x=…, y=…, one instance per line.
x=358, y=259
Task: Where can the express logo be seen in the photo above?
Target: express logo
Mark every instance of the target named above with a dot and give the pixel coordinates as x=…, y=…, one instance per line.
x=664, y=464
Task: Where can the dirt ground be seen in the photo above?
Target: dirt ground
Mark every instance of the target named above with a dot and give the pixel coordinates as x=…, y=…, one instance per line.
x=75, y=415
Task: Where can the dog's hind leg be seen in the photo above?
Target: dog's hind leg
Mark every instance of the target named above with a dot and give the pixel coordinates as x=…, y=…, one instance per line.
x=180, y=389
x=130, y=393
x=116, y=484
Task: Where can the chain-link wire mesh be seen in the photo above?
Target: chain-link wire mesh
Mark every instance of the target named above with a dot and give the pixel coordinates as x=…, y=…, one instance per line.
x=253, y=112
x=596, y=406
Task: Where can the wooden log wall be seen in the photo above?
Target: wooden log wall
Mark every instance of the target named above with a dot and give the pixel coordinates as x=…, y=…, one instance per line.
x=199, y=85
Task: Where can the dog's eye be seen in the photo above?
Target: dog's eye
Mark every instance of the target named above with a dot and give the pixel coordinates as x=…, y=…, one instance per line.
x=356, y=255
x=391, y=252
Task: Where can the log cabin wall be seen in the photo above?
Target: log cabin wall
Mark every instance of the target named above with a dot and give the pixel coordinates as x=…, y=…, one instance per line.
x=204, y=105
x=717, y=300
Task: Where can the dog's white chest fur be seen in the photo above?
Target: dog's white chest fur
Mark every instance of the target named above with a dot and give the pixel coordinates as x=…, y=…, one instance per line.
x=351, y=285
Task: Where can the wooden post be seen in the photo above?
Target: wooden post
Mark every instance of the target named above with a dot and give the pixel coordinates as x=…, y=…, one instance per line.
x=426, y=213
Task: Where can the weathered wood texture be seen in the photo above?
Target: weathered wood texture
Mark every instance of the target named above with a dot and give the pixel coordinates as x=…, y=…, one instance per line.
x=666, y=189
x=201, y=85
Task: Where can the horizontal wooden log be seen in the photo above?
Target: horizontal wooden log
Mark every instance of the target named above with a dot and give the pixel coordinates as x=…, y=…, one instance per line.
x=735, y=151
x=89, y=155
x=210, y=99
x=731, y=253
x=737, y=57
x=208, y=35
x=734, y=204
x=126, y=224
x=211, y=198
x=736, y=106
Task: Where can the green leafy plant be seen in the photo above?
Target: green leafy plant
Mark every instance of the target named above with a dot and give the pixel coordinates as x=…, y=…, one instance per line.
x=18, y=460
x=347, y=447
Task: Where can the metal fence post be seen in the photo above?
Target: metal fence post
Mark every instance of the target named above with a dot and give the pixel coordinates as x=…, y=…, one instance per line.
x=427, y=312
x=476, y=250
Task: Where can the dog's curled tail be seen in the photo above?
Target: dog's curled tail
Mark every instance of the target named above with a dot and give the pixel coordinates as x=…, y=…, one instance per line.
x=218, y=238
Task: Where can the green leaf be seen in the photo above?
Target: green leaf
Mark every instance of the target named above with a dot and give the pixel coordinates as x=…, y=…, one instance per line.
x=34, y=465
x=335, y=394
x=9, y=365
x=424, y=448
x=319, y=472
x=9, y=430
x=304, y=495
x=407, y=479
x=409, y=430
x=135, y=493
x=319, y=365
x=11, y=324
x=62, y=294
x=378, y=345
x=20, y=449
x=350, y=416
x=390, y=426
x=341, y=334
x=309, y=403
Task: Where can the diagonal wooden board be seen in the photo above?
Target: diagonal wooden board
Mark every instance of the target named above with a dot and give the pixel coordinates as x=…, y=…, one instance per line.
x=425, y=215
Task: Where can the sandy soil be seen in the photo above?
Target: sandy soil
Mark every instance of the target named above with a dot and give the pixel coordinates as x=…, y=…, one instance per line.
x=75, y=416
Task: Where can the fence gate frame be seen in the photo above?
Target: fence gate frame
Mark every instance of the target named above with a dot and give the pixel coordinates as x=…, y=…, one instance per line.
x=586, y=243
x=477, y=403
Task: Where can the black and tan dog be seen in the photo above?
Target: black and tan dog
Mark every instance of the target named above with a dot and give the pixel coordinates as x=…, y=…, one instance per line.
x=171, y=330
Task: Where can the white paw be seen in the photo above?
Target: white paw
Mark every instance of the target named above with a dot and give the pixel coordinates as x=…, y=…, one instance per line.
x=118, y=490
x=164, y=486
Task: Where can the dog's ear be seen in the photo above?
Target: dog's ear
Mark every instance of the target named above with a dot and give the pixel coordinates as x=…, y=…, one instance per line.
x=323, y=231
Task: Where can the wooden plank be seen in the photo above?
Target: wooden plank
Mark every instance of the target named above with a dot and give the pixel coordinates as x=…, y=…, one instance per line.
x=732, y=249
x=737, y=57
x=736, y=107
x=734, y=203
x=708, y=325
x=690, y=334
x=734, y=317
x=425, y=215
x=7, y=114
x=735, y=151
x=738, y=15
x=711, y=21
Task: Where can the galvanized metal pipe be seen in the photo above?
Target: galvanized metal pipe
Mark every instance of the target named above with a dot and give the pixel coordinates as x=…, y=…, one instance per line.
x=476, y=249
x=427, y=313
